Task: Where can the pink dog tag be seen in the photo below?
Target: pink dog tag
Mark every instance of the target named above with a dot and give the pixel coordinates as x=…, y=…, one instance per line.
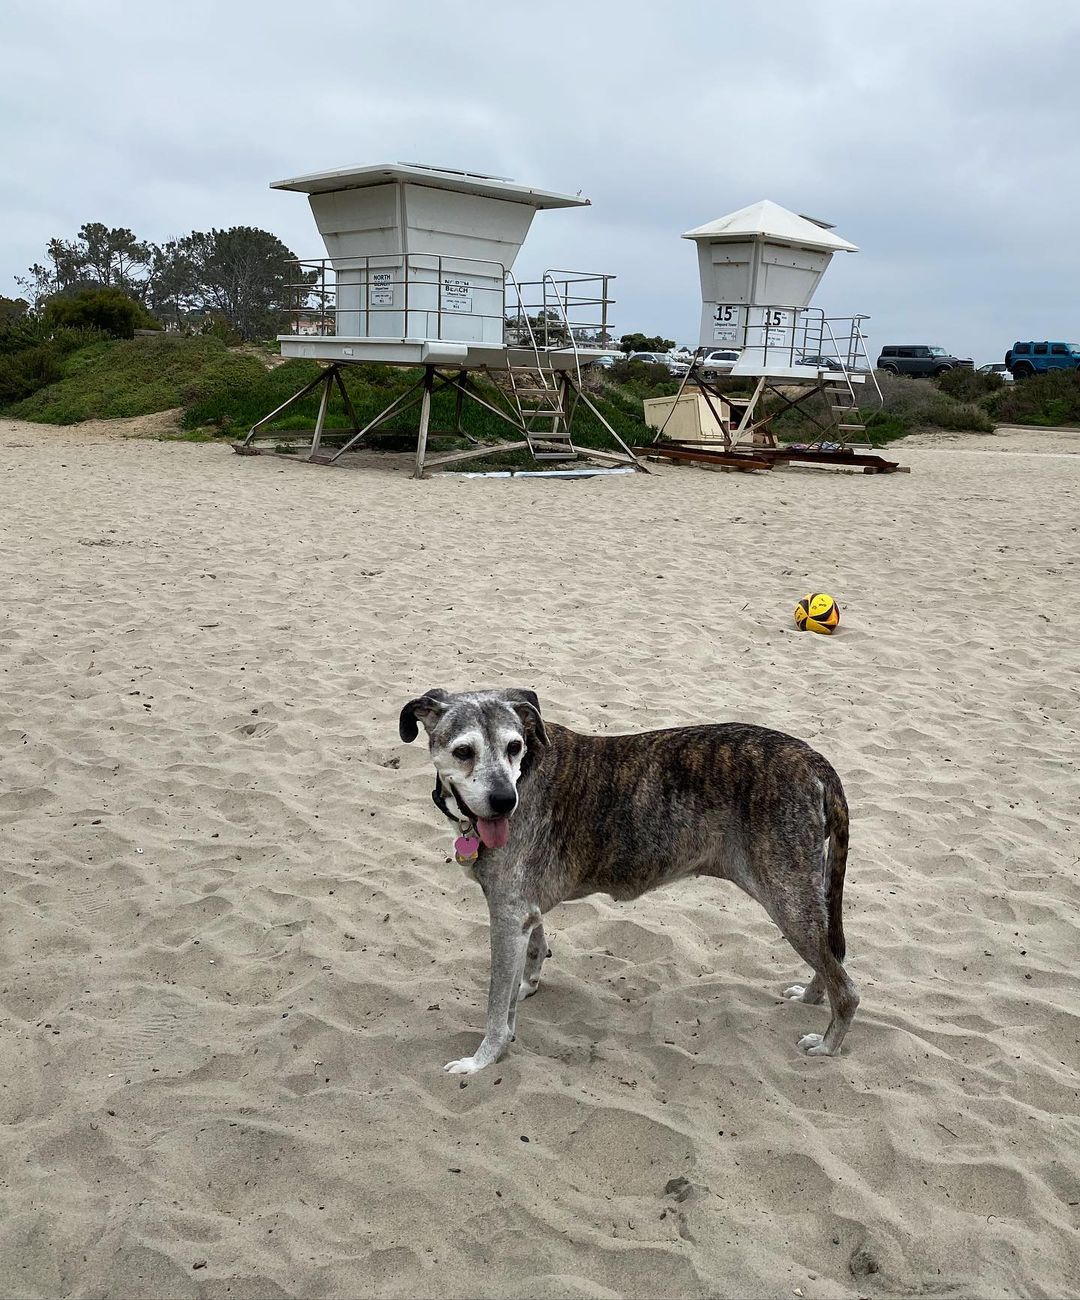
x=466, y=849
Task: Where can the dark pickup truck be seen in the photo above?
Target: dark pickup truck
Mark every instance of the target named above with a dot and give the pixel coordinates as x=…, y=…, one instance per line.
x=1024, y=359
x=920, y=361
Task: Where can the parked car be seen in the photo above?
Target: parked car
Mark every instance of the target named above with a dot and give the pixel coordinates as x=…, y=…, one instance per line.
x=998, y=368
x=605, y=363
x=674, y=367
x=920, y=361
x=718, y=361
x=820, y=363
x=1024, y=359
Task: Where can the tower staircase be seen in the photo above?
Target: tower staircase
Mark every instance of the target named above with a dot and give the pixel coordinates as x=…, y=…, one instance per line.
x=538, y=396
x=846, y=422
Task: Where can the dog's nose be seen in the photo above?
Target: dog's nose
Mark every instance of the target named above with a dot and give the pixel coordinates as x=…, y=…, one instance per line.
x=501, y=804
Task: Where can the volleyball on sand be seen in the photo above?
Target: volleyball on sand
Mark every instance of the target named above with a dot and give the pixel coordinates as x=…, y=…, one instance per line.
x=817, y=612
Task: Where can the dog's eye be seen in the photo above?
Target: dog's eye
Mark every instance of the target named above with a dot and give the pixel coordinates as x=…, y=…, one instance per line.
x=513, y=749
x=463, y=753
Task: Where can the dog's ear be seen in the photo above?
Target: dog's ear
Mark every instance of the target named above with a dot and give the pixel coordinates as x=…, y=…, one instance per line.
x=427, y=708
x=526, y=705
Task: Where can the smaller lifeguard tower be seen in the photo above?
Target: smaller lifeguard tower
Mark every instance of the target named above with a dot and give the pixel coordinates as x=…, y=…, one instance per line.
x=420, y=272
x=759, y=270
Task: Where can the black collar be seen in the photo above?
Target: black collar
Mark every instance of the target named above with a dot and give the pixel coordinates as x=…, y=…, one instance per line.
x=467, y=822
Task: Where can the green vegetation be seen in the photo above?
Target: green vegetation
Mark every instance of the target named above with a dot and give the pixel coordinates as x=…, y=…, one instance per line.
x=644, y=379
x=109, y=310
x=968, y=385
x=110, y=379
x=1049, y=399
x=913, y=404
x=645, y=343
x=963, y=399
x=32, y=355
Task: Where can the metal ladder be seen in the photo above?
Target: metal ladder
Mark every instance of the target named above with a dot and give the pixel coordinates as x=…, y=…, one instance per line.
x=839, y=391
x=846, y=418
x=536, y=391
x=536, y=394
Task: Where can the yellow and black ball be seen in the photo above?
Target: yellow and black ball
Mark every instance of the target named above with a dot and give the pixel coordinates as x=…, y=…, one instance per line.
x=817, y=612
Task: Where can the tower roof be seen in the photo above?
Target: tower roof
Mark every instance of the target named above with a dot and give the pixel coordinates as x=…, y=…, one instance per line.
x=768, y=220
x=440, y=178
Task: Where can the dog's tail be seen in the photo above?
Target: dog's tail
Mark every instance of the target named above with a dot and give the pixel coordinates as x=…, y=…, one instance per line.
x=836, y=826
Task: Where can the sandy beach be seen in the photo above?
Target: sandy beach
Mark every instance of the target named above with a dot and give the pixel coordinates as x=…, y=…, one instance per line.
x=236, y=954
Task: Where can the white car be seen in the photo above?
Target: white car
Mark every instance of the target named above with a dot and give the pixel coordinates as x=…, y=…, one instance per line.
x=998, y=368
x=719, y=361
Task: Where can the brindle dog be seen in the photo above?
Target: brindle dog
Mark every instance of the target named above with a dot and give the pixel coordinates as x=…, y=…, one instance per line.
x=553, y=815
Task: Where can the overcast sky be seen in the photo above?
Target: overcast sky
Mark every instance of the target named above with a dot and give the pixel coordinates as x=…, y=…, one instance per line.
x=941, y=137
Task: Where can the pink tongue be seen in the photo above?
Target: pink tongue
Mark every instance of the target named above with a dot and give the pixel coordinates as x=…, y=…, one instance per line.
x=494, y=833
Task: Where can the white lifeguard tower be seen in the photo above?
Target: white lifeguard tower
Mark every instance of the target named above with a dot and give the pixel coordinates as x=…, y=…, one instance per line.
x=420, y=272
x=759, y=269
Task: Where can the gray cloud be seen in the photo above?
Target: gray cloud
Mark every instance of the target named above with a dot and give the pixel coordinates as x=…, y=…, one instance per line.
x=940, y=138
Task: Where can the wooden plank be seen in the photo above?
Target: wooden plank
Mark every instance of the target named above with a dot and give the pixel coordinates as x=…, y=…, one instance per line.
x=474, y=453
x=843, y=456
x=735, y=460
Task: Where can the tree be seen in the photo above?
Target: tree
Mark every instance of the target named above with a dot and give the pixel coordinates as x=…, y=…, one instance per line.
x=61, y=269
x=12, y=310
x=645, y=343
x=97, y=257
x=114, y=257
x=242, y=274
x=170, y=288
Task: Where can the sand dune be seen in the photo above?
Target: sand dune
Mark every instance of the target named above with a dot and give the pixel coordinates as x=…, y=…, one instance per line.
x=235, y=953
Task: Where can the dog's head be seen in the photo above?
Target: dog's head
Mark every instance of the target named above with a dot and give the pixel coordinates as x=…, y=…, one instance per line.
x=478, y=741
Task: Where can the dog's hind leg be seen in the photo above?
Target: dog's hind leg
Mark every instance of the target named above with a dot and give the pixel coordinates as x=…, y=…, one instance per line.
x=843, y=1000
x=805, y=928
x=534, y=960
x=798, y=907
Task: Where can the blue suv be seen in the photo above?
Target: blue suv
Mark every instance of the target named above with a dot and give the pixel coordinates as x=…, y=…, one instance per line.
x=1024, y=359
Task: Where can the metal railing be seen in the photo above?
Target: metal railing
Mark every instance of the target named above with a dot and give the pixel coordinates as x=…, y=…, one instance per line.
x=320, y=299
x=792, y=337
x=558, y=311
x=784, y=335
x=565, y=306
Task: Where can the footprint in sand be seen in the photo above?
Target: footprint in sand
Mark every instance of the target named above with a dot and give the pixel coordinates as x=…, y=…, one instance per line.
x=255, y=729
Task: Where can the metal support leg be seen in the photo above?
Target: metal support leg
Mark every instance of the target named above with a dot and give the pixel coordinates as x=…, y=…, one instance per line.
x=685, y=380
x=459, y=402
x=303, y=392
x=709, y=394
x=582, y=396
x=564, y=406
x=349, y=408
x=748, y=412
x=425, y=420
x=383, y=415
x=324, y=402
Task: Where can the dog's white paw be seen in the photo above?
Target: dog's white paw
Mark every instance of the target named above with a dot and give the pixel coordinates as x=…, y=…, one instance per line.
x=528, y=988
x=796, y=992
x=467, y=1065
x=813, y=1045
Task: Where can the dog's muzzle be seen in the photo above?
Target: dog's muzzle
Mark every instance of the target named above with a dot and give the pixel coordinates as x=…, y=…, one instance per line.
x=492, y=831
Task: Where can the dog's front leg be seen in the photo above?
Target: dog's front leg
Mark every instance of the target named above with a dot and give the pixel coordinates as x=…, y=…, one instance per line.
x=510, y=930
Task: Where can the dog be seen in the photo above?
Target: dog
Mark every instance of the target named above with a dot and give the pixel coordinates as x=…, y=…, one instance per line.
x=548, y=814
